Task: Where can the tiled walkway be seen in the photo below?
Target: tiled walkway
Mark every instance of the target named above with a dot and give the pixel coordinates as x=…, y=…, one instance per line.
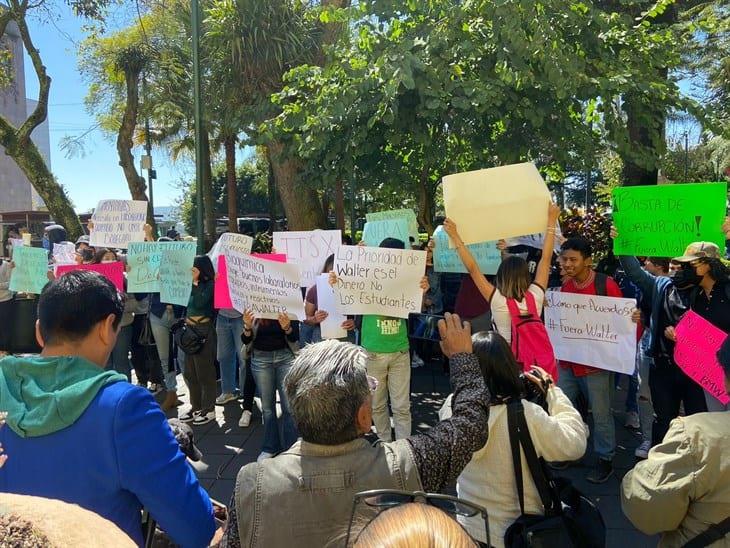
x=226, y=448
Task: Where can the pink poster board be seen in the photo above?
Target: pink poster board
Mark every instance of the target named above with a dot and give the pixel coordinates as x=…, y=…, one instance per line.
x=221, y=295
x=696, y=354
x=114, y=272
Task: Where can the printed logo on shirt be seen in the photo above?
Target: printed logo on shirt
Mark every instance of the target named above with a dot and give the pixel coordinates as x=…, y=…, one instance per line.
x=388, y=327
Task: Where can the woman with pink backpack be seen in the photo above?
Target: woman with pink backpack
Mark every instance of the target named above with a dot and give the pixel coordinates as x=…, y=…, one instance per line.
x=516, y=302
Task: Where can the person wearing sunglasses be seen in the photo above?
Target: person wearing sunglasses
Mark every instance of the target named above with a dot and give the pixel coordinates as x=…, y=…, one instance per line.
x=303, y=496
x=408, y=519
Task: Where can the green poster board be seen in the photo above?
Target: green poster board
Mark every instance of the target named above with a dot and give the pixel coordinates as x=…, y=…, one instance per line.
x=30, y=274
x=661, y=221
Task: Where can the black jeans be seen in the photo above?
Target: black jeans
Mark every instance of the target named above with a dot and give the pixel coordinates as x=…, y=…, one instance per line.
x=7, y=311
x=669, y=387
x=249, y=386
x=199, y=372
x=145, y=359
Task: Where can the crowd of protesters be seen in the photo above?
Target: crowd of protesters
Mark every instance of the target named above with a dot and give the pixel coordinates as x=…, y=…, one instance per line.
x=83, y=424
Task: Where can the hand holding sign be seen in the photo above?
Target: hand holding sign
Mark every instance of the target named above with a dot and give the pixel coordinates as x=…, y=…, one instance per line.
x=663, y=220
x=116, y=223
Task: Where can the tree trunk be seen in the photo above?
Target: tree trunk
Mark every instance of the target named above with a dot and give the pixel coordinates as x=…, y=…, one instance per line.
x=230, y=148
x=208, y=200
x=31, y=162
x=125, y=143
x=339, y=205
x=271, y=190
x=644, y=139
x=302, y=206
x=425, y=202
x=17, y=141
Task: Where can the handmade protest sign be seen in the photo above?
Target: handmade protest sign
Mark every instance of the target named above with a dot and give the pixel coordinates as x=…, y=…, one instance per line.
x=117, y=223
x=331, y=327
x=30, y=274
x=696, y=354
x=176, y=280
x=221, y=295
x=114, y=272
x=377, y=231
x=64, y=253
x=308, y=249
x=230, y=240
x=592, y=330
x=143, y=259
x=267, y=288
x=408, y=214
x=501, y=202
x=663, y=220
x=446, y=259
x=382, y=281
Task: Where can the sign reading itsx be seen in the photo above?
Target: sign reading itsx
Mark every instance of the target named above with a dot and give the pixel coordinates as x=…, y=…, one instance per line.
x=592, y=330
x=663, y=220
x=308, y=249
x=118, y=222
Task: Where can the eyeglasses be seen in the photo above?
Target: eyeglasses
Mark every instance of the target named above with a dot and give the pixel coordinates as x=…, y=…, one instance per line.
x=384, y=499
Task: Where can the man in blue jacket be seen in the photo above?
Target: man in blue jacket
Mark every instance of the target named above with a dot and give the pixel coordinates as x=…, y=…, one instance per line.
x=86, y=436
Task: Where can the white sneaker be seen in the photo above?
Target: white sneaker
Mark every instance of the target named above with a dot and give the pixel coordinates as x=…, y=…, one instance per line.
x=264, y=455
x=245, y=420
x=204, y=418
x=632, y=421
x=225, y=398
x=642, y=452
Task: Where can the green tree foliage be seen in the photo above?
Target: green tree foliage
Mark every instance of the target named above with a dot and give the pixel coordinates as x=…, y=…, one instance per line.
x=251, y=193
x=426, y=88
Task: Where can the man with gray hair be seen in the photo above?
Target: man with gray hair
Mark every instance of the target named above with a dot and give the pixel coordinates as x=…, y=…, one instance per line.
x=303, y=497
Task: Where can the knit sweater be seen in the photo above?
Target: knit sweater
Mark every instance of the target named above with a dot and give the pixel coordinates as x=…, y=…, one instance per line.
x=489, y=479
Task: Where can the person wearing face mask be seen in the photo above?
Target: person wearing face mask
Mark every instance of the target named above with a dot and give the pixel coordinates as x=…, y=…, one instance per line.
x=703, y=271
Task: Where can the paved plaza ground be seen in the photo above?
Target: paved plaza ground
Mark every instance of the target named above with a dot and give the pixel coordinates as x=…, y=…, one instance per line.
x=226, y=448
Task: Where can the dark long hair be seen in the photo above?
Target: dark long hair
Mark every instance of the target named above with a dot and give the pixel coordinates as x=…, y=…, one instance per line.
x=99, y=255
x=205, y=266
x=500, y=369
x=719, y=270
x=513, y=278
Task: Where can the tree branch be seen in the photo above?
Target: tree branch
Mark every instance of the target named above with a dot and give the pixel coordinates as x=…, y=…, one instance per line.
x=38, y=116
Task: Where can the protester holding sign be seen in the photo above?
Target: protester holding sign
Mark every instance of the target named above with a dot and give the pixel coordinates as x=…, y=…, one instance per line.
x=513, y=282
x=577, y=256
x=271, y=345
x=710, y=294
x=199, y=332
x=386, y=340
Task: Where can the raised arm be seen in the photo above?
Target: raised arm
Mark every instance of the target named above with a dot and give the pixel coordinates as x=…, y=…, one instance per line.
x=442, y=452
x=483, y=285
x=546, y=259
x=643, y=279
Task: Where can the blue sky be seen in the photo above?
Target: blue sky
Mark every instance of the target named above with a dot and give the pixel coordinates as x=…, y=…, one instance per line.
x=97, y=175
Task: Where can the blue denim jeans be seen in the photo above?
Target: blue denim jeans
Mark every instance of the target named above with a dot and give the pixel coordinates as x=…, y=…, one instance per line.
x=161, y=331
x=597, y=388
x=269, y=370
x=119, y=358
x=228, y=331
x=309, y=334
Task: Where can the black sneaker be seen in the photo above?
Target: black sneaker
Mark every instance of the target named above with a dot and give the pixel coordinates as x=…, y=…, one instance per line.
x=602, y=472
x=189, y=416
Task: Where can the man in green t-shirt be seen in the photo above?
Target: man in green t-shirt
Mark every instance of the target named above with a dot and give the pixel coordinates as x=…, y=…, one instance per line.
x=386, y=341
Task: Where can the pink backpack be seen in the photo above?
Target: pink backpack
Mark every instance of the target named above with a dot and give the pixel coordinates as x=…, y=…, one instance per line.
x=530, y=342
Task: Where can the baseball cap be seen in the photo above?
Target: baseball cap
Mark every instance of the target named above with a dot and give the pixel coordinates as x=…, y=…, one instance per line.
x=184, y=436
x=699, y=250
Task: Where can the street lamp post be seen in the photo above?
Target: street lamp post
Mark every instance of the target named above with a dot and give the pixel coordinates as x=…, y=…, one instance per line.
x=198, y=117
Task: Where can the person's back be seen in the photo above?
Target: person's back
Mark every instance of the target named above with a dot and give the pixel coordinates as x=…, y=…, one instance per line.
x=303, y=514
x=83, y=435
x=684, y=486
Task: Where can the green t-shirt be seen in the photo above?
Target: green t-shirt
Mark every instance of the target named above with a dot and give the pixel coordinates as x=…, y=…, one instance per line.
x=384, y=334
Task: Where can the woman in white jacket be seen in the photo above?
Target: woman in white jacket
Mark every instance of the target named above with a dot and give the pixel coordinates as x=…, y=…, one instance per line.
x=558, y=435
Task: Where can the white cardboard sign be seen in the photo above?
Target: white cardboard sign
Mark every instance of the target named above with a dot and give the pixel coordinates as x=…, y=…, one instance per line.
x=592, y=330
x=331, y=327
x=117, y=223
x=308, y=249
